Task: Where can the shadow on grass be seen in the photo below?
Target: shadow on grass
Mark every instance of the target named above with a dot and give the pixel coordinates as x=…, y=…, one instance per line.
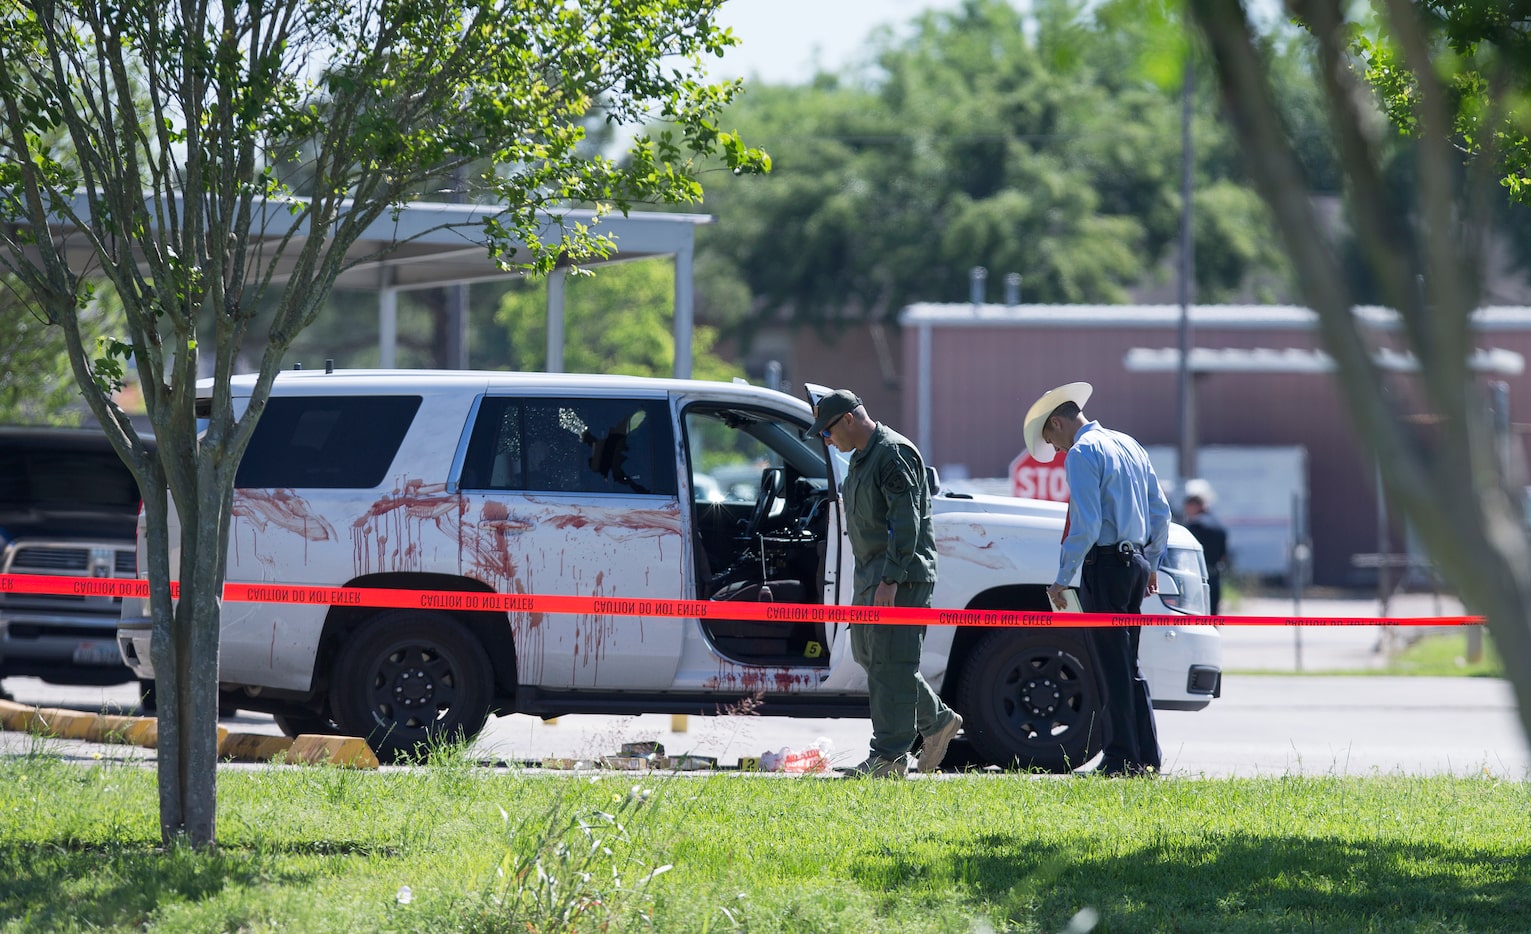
x=69, y=885
x=1218, y=882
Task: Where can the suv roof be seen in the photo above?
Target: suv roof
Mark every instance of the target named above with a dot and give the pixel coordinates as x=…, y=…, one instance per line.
x=581, y=383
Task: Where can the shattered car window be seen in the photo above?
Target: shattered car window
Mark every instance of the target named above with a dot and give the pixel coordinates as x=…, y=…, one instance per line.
x=571, y=446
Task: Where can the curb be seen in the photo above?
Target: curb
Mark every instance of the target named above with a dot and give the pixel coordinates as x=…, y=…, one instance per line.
x=344, y=751
x=349, y=751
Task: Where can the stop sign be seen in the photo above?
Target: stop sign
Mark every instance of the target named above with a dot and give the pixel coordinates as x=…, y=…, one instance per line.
x=1034, y=480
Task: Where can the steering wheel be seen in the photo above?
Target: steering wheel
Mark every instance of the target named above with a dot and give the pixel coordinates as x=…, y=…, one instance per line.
x=772, y=481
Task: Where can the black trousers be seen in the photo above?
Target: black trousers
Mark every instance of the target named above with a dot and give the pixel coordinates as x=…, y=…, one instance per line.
x=1111, y=582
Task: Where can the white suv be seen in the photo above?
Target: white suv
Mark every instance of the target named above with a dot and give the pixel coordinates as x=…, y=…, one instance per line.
x=536, y=483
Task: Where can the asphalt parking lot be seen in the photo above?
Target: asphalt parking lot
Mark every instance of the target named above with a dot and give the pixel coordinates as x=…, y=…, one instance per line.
x=1279, y=714
x=1275, y=649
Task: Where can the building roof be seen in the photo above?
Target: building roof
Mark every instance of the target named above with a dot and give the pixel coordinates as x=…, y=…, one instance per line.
x=1263, y=317
x=1493, y=360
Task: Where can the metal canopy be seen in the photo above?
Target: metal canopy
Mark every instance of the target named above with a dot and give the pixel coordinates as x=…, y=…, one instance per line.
x=432, y=245
x=429, y=245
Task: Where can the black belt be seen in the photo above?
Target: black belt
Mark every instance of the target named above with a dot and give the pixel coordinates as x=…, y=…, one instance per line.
x=1124, y=549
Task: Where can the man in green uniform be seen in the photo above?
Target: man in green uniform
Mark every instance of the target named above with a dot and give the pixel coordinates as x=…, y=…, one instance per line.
x=887, y=506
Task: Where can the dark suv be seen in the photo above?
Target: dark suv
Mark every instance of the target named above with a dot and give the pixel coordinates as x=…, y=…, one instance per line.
x=68, y=506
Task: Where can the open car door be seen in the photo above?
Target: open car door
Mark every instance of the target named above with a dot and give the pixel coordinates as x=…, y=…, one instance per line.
x=839, y=580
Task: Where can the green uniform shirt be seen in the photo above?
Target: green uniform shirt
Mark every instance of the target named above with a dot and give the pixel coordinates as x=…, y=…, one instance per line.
x=887, y=505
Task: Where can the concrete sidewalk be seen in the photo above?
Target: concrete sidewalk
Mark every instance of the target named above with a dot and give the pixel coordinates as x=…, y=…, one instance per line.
x=1326, y=648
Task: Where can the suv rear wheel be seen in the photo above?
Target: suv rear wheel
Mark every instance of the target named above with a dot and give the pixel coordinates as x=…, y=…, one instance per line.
x=1029, y=700
x=409, y=681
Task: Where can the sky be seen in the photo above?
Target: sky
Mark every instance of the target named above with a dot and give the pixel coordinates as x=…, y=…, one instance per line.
x=786, y=41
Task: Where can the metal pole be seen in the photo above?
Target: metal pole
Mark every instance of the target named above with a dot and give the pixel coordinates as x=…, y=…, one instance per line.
x=457, y=295
x=1185, y=387
x=387, y=327
x=685, y=305
x=457, y=327
x=1012, y=289
x=1384, y=552
x=924, y=422
x=555, y=319
x=1298, y=565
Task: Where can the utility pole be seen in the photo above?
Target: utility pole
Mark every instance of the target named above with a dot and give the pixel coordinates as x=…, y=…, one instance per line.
x=457, y=295
x=1186, y=387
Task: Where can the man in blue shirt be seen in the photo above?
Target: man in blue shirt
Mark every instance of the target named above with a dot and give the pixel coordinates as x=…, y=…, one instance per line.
x=1115, y=536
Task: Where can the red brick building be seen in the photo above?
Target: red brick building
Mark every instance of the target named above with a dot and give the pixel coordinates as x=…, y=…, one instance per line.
x=957, y=378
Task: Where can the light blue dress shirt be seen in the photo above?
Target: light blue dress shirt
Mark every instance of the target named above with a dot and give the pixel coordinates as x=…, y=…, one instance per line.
x=1114, y=496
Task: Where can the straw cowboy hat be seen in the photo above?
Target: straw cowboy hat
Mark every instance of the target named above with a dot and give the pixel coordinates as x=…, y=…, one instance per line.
x=1202, y=490
x=1036, y=416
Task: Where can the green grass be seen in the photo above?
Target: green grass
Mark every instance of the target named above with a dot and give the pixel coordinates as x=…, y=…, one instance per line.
x=318, y=849
x=1446, y=654
x=1437, y=654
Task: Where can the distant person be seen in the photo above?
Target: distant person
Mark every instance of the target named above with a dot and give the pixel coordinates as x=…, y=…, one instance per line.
x=1208, y=530
x=887, y=507
x=1118, y=526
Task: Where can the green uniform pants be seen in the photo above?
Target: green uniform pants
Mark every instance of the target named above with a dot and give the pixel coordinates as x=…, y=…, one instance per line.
x=901, y=701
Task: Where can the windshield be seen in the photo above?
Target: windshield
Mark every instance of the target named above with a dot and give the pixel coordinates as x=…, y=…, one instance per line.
x=59, y=481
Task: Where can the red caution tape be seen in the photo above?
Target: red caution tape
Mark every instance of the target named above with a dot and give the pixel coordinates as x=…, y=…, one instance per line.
x=703, y=609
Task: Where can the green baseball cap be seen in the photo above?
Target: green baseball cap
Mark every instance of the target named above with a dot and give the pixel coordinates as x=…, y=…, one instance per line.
x=832, y=407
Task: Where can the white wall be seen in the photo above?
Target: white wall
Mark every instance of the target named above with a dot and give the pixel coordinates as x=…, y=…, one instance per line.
x=1261, y=492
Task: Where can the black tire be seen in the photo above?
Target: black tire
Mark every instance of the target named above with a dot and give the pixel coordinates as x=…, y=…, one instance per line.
x=408, y=681
x=1029, y=700
x=294, y=725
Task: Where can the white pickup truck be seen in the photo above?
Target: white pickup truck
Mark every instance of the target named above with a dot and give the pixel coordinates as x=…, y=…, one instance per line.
x=609, y=486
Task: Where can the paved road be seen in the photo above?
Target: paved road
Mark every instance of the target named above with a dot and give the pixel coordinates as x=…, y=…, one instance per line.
x=1325, y=648
x=1263, y=725
x=1268, y=722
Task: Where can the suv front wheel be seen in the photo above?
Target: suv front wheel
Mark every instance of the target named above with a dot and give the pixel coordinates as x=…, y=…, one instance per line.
x=1029, y=700
x=409, y=681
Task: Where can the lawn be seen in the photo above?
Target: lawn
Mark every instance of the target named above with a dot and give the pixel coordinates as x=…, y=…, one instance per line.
x=456, y=847
x=1446, y=654
x=1436, y=654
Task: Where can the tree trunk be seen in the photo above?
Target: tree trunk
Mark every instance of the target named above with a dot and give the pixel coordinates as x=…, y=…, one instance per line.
x=1465, y=507
x=185, y=656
